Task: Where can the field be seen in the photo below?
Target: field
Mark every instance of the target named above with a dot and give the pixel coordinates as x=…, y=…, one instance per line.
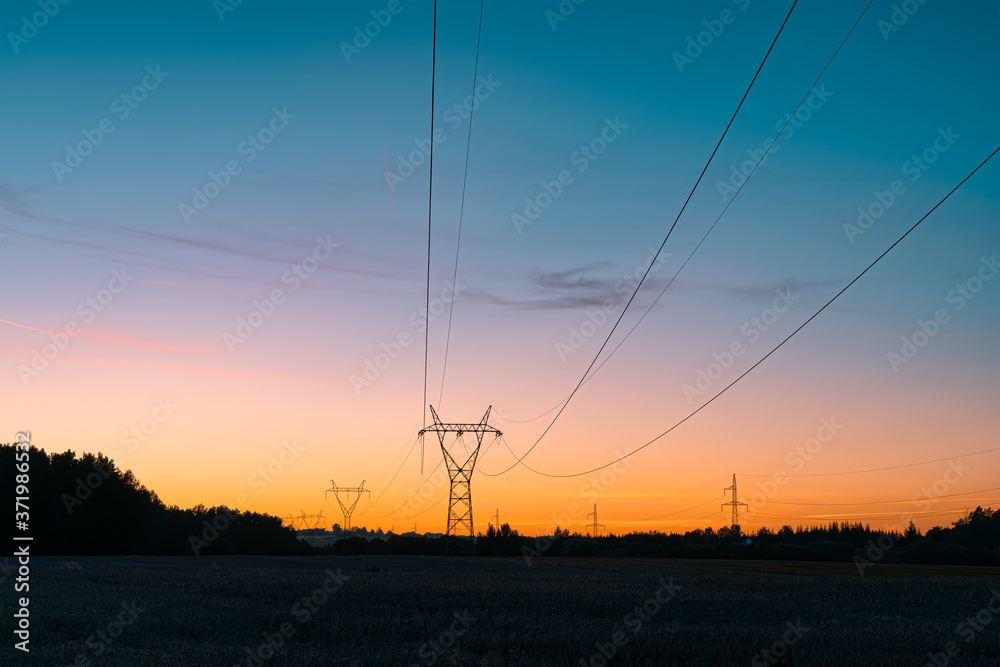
x=434, y=611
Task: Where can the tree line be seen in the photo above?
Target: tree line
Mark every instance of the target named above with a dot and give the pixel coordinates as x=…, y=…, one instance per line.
x=86, y=505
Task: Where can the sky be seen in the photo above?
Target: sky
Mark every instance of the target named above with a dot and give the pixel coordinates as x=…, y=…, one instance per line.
x=214, y=233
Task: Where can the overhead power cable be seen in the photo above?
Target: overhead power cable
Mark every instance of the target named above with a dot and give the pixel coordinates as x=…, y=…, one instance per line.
x=461, y=213
x=430, y=204
x=885, y=502
x=858, y=472
x=664, y=243
x=712, y=227
x=822, y=517
x=778, y=346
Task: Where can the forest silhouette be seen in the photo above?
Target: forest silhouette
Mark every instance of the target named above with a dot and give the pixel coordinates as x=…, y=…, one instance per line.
x=86, y=505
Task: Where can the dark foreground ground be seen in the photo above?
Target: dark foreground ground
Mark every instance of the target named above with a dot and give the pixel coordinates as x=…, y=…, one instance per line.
x=386, y=610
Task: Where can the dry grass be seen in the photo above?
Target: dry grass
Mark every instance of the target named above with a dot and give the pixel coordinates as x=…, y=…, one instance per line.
x=196, y=614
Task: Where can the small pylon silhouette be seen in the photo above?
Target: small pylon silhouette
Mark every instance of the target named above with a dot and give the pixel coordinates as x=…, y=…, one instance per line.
x=595, y=527
x=735, y=504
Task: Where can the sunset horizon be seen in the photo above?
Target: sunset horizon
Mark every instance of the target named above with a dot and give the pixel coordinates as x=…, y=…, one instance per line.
x=254, y=258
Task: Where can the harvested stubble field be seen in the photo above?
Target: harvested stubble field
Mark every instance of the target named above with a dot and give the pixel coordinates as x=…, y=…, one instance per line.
x=422, y=610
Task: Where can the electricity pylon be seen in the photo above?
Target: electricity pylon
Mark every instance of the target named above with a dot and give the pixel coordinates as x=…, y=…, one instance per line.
x=346, y=506
x=595, y=527
x=735, y=504
x=459, y=471
x=304, y=521
x=496, y=520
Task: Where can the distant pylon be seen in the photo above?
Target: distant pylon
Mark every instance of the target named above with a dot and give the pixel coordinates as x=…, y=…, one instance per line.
x=496, y=520
x=735, y=504
x=595, y=527
x=346, y=506
x=459, y=471
x=317, y=520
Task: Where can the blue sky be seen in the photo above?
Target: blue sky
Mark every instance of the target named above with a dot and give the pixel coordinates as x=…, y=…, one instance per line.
x=889, y=94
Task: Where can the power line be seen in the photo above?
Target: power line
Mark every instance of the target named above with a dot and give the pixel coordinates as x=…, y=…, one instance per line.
x=960, y=510
x=712, y=227
x=427, y=509
x=669, y=231
x=412, y=495
x=415, y=492
x=905, y=465
x=461, y=214
x=775, y=349
x=396, y=457
x=691, y=521
x=735, y=195
x=430, y=203
x=398, y=470
x=886, y=502
x=663, y=516
x=657, y=499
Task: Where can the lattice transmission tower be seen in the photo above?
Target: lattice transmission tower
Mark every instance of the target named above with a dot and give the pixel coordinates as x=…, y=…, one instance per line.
x=346, y=505
x=460, y=466
x=595, y=527
x=735, y=505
